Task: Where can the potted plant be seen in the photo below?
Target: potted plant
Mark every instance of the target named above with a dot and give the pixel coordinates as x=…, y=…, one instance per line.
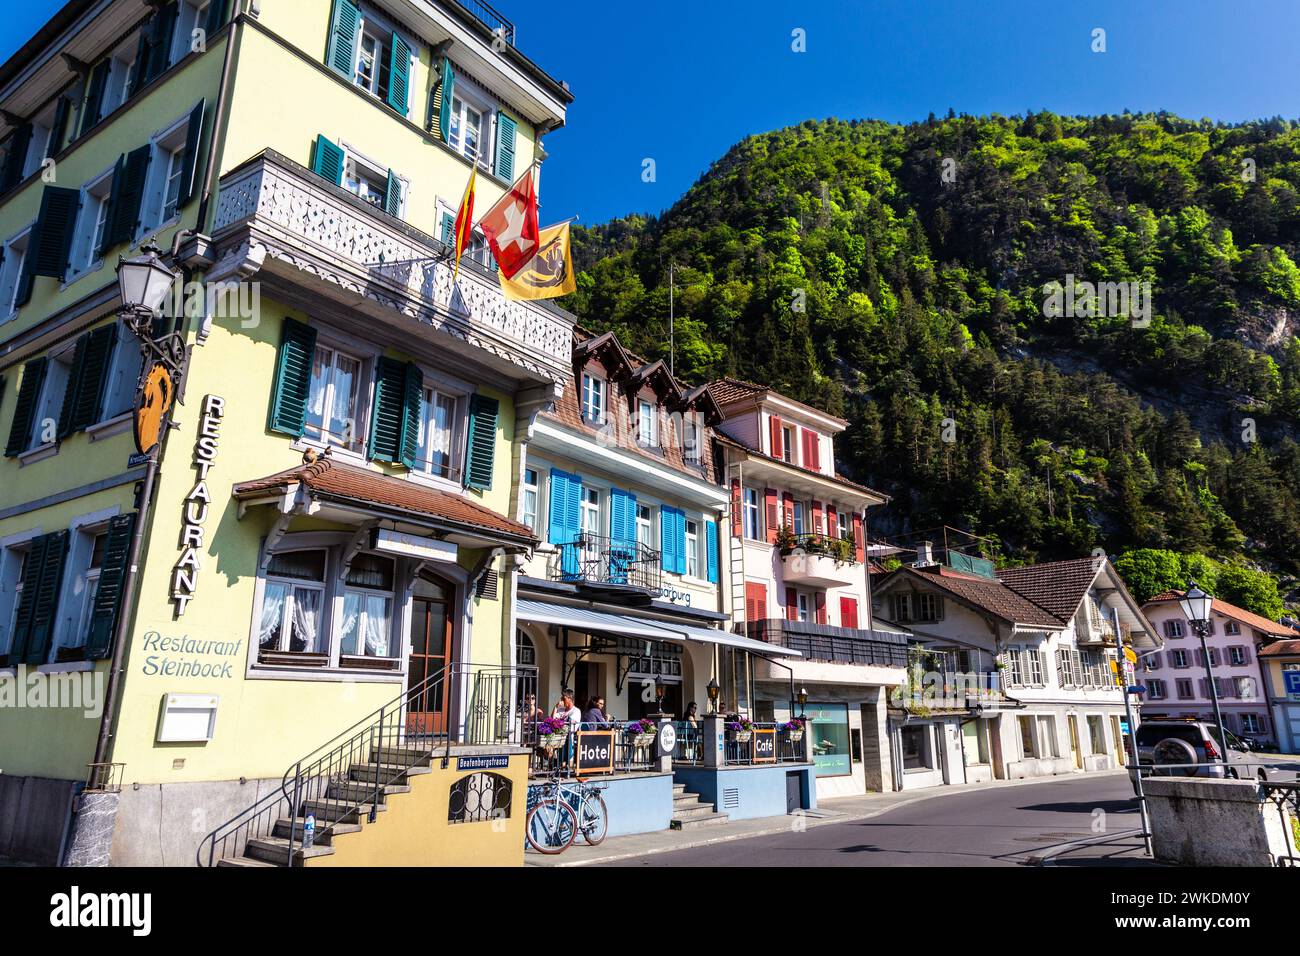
x=641, y=733
x=785, y=539
x=793, y=729
x=551, y=732
x=741, y=729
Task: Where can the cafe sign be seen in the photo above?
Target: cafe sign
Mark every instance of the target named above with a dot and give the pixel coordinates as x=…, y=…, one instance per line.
x=764, y=745
x=197, y=504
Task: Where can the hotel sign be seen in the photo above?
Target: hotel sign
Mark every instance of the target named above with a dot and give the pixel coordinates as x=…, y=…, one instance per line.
x=197, y=504
x=595, y=752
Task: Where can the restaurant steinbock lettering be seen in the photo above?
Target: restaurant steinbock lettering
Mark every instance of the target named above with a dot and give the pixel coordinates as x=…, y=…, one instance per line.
x=764, y=745
x=595, y=751
x=197, y=503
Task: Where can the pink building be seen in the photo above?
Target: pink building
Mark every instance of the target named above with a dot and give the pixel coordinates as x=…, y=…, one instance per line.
x=1175, y=675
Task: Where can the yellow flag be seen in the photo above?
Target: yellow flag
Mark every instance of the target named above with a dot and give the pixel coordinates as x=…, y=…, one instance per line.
x=549, y=274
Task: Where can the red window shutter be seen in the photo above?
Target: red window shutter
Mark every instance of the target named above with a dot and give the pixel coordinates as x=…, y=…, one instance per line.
x=848, y=612
x=821, y=607
x=859, y=539
x=755, y=601
x=811, y=451
x=773, y=514
x=817, y=516
x=787, y=514
x=791, y=605
x=775, y=433
x=737, y=509
x=832, y=522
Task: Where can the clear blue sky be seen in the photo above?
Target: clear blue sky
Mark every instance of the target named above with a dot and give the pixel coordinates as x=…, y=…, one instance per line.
x=682, y=80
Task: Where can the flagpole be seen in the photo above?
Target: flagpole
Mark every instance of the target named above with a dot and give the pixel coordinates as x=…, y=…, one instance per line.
x=672, y=340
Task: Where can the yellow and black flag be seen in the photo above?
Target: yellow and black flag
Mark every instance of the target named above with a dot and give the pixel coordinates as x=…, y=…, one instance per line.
x=550, y=272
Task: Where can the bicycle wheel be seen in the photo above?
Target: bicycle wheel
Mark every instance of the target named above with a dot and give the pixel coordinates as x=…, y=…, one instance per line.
x=550, y=827
x=594, y=823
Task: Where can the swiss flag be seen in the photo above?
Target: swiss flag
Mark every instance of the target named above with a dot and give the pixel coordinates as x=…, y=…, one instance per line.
x=511, y=226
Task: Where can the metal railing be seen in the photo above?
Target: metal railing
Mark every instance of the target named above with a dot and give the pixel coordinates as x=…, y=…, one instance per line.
x=1286, y=798
x=825, y=642
x=558, y=759
x=743, y=748
x=348, y=776
x=599, y=559
x=490, y=18
x=690, y=743
x=828, y=545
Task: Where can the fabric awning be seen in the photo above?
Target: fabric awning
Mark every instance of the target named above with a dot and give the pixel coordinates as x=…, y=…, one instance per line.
x=626, y=625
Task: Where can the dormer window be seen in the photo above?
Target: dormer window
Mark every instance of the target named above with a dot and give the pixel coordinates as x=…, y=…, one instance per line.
x=690, y=440
x=647, y=424
x=593, y=399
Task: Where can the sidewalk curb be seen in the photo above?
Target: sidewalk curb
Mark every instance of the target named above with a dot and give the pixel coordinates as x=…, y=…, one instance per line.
x=837, y=817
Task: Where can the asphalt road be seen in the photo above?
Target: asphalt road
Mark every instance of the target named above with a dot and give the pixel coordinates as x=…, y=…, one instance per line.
x=997, y=826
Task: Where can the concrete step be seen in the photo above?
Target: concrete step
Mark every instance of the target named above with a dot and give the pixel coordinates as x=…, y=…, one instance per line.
x=335, y=811
x=688, y=800
x=709, y=821
x=244, y=861
x=693, y=813
x=679, y=789
x=387, y=771
x=405, y=756
x=353, y=791
x=275, y=850
x=324, y=834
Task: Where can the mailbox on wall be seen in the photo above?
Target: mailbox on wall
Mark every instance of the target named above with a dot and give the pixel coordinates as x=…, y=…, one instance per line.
x=187, y=718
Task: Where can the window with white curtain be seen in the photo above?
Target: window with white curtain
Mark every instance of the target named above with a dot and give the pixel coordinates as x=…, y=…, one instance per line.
x=368, y=597
x=332, y=404
x=692, y=549
x=531, y=497
x=292, y=602
x=437, y=433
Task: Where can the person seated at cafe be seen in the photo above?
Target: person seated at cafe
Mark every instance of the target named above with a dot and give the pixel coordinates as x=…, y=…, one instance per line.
x=692, y=716
x=595, y=717
x=567, y=711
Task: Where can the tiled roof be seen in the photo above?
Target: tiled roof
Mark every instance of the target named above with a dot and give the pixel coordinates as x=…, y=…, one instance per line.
x=728, y=390
x=989, y=595
x=1057, y=586
x=349, y=483
x=1281, y=649
x=1248, y=618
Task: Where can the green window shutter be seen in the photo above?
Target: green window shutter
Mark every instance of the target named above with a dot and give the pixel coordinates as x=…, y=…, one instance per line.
x=412, y=408
x=52, y=237
x=393, y=195
x=94, y=102
x=114, y=188
x=216, y=16
x=11, y=173
x=292, y=386
x=448, y=231
x=112, y=577
x=39, y=606
x=505, y=164
x=60, y=126
x=327, y=161
x=84, y=397
x=164, y=29
x=140, y=67
x=388, y=414
x=446, y=89
x=20, y=432
x=340, y=55
x=481, y=445
x=190, y=157
x=399, y=74
x=128, y=191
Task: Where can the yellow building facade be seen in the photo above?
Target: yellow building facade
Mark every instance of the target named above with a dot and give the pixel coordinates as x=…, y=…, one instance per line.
x=331, y=527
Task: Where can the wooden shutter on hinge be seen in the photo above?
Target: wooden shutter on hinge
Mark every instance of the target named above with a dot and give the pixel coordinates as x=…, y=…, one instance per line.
x=20, y=431
x=84, y=397
x=190, y=157
x=292, y=386
x=11, y=173
x=399, y=69
x=848, y=612
x=481, y=453
x=47, y=251
x=832, y=522
x=440, y=100
x=505, y=162
x=393, y=195
x=791, y=605
x=562, y=513
x=755, y=601
x=859, y=539
x=711, y=550
x=327, y=160
x=39, y=606
x=388, y=415
x=216, y=16
x=412, y=409
x=94, y=102
x=737, y=509
x=820, y=599
x=817, y=518
x=775, y=437
x=340, y=53
x=128, y=192
x=772, y=513
x=112, y=577
x=59, y=128
x=787, y=510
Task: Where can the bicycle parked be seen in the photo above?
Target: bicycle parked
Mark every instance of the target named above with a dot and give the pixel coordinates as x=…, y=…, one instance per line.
x=556, y=821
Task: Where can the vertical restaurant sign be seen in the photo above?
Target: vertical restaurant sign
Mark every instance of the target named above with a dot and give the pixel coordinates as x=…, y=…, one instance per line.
x=197, y=503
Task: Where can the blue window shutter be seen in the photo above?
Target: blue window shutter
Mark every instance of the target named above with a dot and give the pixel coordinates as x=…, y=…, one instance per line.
x=681, y=542
x=344, y=20
x=399, y=71
x=480, y=452
x=393, y=195
x=668, y=539
x=505, y=164
x=711, y=548
x=327, y=161
x=556, y=526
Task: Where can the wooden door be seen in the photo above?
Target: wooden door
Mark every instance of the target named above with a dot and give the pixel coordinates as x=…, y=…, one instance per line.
x=431, y=642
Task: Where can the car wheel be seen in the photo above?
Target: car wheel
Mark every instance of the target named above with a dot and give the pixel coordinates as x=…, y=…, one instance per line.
x=1172, y=751
x=1231, y=773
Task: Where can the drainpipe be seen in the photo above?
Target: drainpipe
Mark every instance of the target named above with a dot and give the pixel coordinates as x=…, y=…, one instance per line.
x=223, y=94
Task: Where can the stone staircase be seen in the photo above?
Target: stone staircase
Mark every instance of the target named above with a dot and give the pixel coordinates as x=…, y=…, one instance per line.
x=691, y=812
x=345, y=808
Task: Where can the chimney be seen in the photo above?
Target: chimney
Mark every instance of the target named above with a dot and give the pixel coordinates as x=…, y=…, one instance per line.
x=924, y=555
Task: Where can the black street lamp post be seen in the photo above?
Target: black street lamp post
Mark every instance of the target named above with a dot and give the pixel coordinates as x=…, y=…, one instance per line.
x=1196, y=606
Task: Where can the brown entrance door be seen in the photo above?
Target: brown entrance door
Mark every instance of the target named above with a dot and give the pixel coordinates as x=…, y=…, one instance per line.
x=427, y=678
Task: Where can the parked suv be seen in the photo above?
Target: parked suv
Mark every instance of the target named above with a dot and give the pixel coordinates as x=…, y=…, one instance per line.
x=1166, y=747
